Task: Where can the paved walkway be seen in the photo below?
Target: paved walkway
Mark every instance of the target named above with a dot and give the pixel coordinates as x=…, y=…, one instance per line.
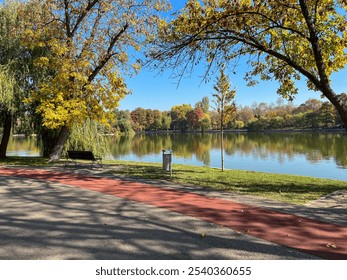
x=237, y=222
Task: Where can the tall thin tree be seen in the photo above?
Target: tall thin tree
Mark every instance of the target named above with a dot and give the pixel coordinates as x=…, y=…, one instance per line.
x=224, y=105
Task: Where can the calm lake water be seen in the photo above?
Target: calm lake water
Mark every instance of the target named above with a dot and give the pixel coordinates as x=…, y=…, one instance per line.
x=321, y=155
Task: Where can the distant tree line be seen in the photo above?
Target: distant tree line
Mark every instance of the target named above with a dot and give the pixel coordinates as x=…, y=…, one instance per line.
x=312, y=114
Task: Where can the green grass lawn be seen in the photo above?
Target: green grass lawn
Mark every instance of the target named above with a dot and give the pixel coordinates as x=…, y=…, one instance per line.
x=288, y=188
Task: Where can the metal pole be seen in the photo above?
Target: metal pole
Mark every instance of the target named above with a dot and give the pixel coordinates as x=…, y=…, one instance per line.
x=170, y=164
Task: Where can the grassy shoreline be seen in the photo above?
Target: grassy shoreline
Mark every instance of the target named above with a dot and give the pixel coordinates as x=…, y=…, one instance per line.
x=287, y=188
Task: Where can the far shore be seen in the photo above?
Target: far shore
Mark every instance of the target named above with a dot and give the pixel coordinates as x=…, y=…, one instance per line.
x=306, y=130
x=150, y=132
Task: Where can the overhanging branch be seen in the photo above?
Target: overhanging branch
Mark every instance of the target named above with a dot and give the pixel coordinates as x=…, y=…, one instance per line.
x=108, y=54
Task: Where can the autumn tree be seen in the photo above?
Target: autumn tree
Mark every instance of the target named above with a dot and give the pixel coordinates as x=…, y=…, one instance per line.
x=281, y=40
x=224, y=105
x=122, y=122
x=194, y=118
x=90, y=44
x=327, y=114
x=157, y=123
x=139, y=119
x=245, y=114
x=309, y=105
x=179, y=116
x=204, y=104
x=166, y=120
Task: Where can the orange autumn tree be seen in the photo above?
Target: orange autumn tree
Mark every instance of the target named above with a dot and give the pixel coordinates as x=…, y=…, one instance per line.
x=91, y=44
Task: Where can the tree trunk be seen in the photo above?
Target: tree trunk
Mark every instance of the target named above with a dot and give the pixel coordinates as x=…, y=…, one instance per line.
x=342, y=110
x=49, y=138
x=55, y=155
x=6, y=134
x=338, y=103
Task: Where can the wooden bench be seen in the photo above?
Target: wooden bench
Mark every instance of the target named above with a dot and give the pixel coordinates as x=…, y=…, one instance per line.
x=73, y=156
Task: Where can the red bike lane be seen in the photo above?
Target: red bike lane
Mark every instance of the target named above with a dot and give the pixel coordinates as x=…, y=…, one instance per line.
x=323, y=239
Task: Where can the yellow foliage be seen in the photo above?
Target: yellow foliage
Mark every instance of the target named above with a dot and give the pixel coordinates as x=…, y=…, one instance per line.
x=276, y=35
x=41, y=61
x=84, y=58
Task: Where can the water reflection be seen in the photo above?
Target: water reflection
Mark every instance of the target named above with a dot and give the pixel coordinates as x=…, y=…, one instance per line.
x=313, y=154
x=185, y=146
x=284, y=146
x=23, y=146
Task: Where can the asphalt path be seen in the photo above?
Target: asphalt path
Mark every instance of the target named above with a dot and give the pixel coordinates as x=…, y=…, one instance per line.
x=41, y=219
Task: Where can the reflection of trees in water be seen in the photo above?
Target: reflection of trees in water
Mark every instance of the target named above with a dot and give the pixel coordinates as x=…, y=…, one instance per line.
x=183, y=145
x=140, y=145
x=187, y=145
x=24, y=144
x=314, y=146
x=280, y=146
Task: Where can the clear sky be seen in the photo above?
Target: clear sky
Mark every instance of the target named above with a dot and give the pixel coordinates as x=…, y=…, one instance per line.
x=151, y=90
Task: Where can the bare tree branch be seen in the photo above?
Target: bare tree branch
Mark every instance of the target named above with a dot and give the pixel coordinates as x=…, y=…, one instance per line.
x=109, y=53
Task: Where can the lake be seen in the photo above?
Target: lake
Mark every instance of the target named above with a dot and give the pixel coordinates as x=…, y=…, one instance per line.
x=321, y=155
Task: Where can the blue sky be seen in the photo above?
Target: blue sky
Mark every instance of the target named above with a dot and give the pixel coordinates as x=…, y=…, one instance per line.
x=151, y=90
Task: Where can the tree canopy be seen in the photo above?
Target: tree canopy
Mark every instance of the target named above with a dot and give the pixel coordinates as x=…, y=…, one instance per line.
x=89, y=46
x=282, y=40
x=10, y=56
x=90, y=42
x=224, y=99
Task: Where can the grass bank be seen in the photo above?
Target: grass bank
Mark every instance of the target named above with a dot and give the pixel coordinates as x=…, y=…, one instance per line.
x=287, y=188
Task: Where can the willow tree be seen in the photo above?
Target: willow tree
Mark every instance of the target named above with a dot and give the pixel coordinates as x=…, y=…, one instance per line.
x=7, y=91
x=224, y=105
x=281, y=40
x=14, y=68
x=7, y=80
x=91, y=44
